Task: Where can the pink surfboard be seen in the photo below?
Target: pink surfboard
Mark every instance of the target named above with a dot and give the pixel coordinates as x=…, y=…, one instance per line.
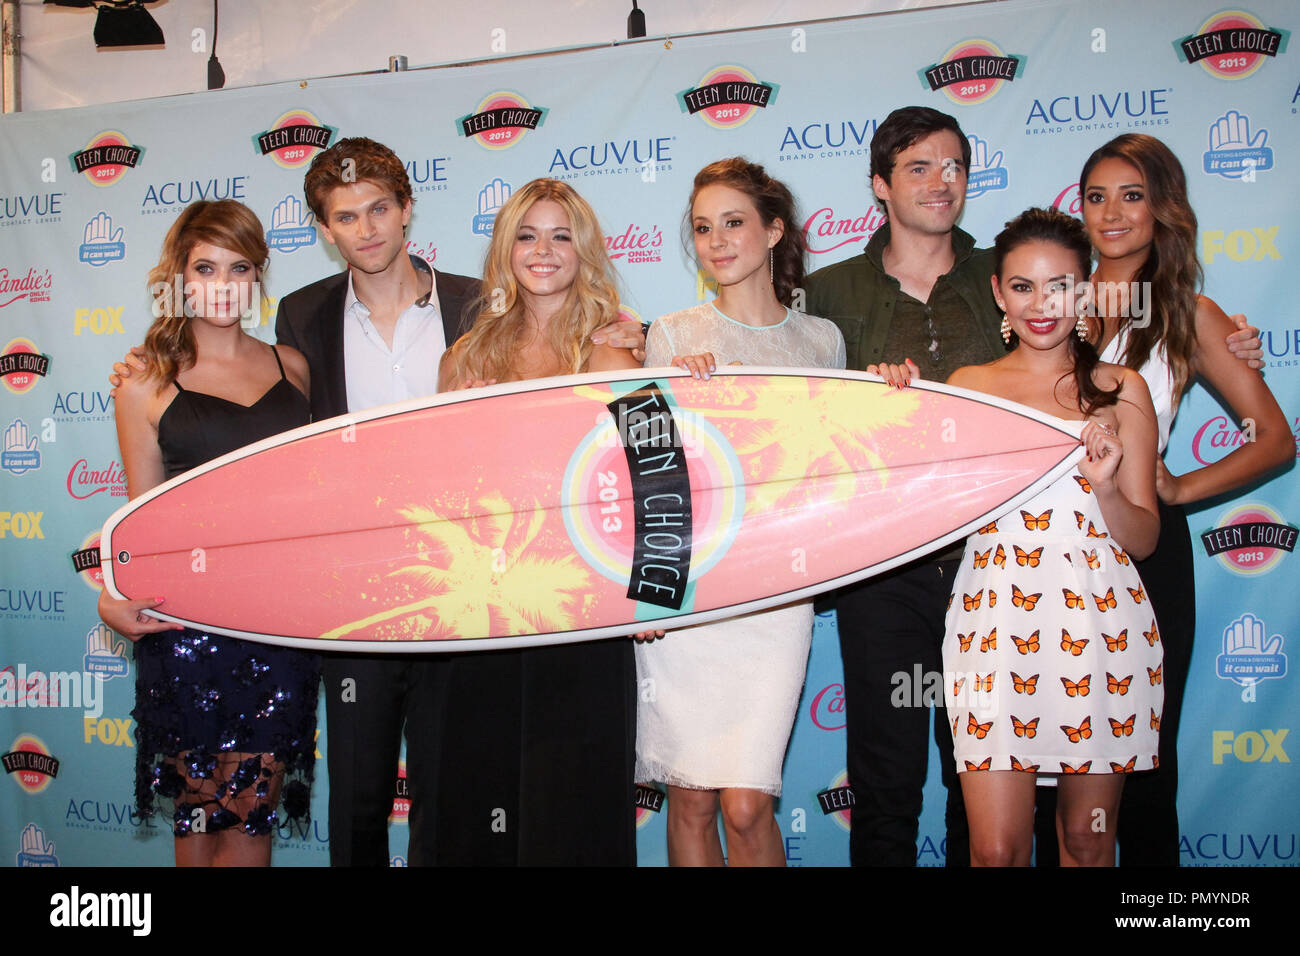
x=576, y=508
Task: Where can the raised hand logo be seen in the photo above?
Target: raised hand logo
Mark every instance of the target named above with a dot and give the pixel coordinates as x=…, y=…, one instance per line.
x=101, y=243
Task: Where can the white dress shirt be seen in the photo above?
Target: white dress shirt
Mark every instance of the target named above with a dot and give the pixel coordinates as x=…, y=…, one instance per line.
x=378, y=375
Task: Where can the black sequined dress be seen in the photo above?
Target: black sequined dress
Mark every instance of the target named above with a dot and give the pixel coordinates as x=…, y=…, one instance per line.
x=224, y=725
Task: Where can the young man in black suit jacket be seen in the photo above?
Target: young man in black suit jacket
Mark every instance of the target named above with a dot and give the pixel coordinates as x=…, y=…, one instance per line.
x=373, y=335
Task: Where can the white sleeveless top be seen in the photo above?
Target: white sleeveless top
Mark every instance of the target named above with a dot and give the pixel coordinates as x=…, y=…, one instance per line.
x=1158, y=378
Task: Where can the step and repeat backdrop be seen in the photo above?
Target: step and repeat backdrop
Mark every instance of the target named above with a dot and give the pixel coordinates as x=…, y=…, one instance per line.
x=86, y=196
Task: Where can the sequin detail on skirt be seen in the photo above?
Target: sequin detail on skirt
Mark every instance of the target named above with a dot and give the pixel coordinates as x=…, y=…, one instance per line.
x=225, y=727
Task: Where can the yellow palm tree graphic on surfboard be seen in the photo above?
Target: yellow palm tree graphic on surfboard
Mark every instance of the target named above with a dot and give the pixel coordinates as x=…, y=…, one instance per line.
x=806, y=428
x=490, y=582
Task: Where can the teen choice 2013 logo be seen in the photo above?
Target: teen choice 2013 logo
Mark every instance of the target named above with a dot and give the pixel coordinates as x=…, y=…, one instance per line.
x=1250, y=539
x=294, y=139
x=972, y=71
x=86, y=562
x=22, y=365
x=501, y=120
x=30, y=764
x=106, y=158
x=633, y=509
x=1231, y=44
x=727, y=96
x=836, y=800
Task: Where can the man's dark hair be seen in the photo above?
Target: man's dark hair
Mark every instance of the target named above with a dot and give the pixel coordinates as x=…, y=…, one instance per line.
x=905, y=126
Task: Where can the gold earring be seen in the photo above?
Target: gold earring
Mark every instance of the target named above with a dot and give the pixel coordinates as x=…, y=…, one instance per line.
x=1081, y=328
x=1006, y=329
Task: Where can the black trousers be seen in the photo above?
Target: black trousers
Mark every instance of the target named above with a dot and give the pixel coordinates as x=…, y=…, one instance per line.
x=892, y=625
x=369, y=701
x=1148, y=810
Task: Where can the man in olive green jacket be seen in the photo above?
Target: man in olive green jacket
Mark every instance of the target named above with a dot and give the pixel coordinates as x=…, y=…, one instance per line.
x=919, y=291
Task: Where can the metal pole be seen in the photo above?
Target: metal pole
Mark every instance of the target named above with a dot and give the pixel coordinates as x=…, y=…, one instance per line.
x=10, y=38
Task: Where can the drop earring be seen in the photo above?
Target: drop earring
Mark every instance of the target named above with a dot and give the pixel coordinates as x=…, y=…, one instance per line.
x=771, y=265
x=1081, y=328
x=1006, y=330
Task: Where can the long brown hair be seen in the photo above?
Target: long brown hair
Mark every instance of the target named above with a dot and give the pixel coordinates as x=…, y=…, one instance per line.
x=1172, y=269
x=491, y=347
x=773, y=200
x=226, y=224
x=1051, y=225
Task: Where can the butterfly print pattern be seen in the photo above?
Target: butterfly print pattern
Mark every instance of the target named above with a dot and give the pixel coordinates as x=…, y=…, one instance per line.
x=1074, y=681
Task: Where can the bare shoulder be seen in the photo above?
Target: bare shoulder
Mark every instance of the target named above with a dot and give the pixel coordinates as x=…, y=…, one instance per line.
x=1209, y=312
x=1212, y=329
x=1133, y=388
x=974, y=377
x=295, y=365
x=140, y=403
x=1109, y=376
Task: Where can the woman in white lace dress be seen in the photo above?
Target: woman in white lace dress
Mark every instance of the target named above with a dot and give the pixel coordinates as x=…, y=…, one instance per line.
x=725, y=694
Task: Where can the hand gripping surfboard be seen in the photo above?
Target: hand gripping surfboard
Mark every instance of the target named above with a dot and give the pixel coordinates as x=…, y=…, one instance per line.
x=575, y=508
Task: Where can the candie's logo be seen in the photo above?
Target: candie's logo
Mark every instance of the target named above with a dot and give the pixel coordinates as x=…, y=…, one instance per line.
x=636, y=244
x=33, y=285
x=294, y=139
x=825, y=230
x=29, y=764
x=21, y=366
x=1231, y=44
x=972, y=72
x=501, y=120
x=106, y=158
x=1250, y=539
x=827, y=710
x=86, y=482
x=1069, y=200
x=1217, y=438
x=727, y=96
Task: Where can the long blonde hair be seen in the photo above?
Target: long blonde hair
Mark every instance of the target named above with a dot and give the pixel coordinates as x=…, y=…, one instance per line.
x=491, y=347
x=226, y=224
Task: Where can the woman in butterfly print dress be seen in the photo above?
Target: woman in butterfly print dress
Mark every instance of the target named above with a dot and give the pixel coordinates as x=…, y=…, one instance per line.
x=1143, y=229
x=1046, y=663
